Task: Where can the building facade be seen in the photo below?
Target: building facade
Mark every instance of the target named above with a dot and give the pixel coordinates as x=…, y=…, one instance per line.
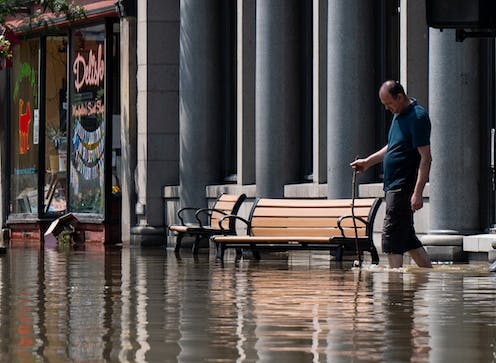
x=273, y=98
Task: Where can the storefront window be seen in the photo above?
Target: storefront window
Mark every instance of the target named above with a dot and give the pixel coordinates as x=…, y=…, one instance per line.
x=24, y=128
x=56, y=125
x=87, y=130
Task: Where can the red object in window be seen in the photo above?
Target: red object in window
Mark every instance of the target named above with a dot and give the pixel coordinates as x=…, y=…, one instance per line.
x=24, y=121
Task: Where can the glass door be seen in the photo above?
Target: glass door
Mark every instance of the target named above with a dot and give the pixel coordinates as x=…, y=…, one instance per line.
x=55, y=181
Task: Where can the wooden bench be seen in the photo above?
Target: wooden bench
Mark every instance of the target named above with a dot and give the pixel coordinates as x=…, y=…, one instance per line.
x=284, y=224
x=226, y=204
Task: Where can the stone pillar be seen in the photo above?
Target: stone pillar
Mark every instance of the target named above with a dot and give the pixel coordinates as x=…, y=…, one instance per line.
x=319, y=107
x=352, y=95
x=128, y=124
x=455, y=115
x=157, y=115
x=245, y=83
x=414, y=50
x=277, y=95
x=200, y=77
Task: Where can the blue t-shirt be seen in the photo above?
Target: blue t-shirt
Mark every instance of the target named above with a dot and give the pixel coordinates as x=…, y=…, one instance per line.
x=409, y=130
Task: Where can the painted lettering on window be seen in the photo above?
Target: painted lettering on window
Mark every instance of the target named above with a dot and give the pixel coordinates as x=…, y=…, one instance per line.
x=88, y=72
x=88, y=108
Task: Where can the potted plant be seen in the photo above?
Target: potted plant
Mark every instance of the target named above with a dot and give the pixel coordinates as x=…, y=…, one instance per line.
x=56, y=138
x=5, y=51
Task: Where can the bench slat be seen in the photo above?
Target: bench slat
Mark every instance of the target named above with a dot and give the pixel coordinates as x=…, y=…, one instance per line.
x=302, y=222
x=214, y=223
x=229, y=197
x=315, y=203
x=308, y=212
x=313, y=232
x=226, y=206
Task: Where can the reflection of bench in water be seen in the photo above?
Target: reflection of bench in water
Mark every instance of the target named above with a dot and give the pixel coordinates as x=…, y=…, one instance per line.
x=287, y=224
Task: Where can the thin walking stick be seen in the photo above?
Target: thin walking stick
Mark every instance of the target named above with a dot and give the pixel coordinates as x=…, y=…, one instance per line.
x=357, y=247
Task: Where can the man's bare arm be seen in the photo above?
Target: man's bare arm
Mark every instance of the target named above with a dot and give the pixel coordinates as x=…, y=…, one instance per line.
x=422, y=177
x=362, y=165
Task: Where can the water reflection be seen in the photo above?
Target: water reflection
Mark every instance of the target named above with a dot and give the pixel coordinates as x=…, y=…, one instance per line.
x=144, y=305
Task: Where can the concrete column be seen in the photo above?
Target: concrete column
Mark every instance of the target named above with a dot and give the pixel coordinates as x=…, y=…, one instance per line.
x=245, y=83
x=319, y=91
x=351, y=93
x=128, y=124
x=414, y=50
x=277, y=96
x=158, y=114
x=200, y=102
x=455, y=115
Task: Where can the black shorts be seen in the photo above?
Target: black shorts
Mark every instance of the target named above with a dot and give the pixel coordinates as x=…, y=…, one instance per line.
x=398, y=233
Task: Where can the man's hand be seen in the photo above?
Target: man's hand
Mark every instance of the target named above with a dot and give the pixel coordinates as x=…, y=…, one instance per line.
x=360, y=165
x=423, y=174
x=417, y=202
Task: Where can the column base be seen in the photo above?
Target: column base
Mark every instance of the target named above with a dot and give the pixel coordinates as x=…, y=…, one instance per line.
x=147, y=236
x=444, y=247
x=491, y=256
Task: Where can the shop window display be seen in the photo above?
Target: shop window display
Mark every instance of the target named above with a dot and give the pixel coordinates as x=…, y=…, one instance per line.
x=24, y=128
x=87, y=131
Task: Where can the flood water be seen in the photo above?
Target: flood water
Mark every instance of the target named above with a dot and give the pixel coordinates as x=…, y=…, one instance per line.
x=147, y=305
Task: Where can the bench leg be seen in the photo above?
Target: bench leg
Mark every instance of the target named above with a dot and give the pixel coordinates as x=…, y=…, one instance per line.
x=220, y=252
x=196, y=244
x=374, y=254
x=339, y=254
x=178, y=242
x=239, y=254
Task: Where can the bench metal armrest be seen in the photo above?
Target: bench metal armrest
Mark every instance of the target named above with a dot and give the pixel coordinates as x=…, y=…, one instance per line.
x=232, y=216
x=208, y=212
x=180, y=213
x=340, y=219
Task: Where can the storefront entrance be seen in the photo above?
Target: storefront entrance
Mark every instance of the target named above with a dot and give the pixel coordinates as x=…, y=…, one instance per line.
x=62, y=111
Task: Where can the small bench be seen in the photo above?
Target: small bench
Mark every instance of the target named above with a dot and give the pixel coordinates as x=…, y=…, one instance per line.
x=226, y=204
x=286, y=224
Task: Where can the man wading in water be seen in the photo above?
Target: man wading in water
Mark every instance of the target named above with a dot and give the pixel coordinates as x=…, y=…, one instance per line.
x=406, y=161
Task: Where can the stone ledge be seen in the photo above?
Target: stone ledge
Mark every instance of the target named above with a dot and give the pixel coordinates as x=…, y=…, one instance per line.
x=479, y=242
x=306, y=190
x=442, y=240
x=171, y=191
x=213, y=191
x=375, y=190
x=372, y=190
